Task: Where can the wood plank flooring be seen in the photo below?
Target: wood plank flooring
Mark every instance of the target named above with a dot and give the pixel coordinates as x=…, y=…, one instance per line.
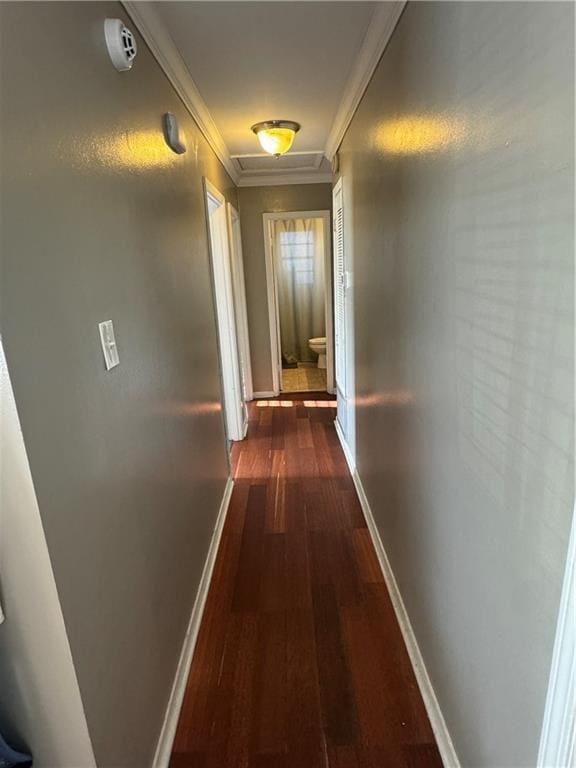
x=300, y=662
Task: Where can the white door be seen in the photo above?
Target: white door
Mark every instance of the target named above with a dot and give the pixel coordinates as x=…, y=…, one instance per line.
x=234, y=405
x=239, y=290
x=343, y=325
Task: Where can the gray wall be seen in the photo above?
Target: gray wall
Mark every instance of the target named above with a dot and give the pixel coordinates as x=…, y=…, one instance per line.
x=255, y=201
x=458, y=177
x=102, y=221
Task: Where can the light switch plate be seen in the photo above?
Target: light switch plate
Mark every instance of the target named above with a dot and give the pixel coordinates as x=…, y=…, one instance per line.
x=108, y=341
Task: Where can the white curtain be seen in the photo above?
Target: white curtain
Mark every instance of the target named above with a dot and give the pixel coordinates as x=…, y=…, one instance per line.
x=299, y=250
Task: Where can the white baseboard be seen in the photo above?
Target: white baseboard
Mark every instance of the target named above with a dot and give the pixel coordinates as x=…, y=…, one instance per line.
x=168, y=732
x=345, y=447
x=262, y=395
x=443, y=740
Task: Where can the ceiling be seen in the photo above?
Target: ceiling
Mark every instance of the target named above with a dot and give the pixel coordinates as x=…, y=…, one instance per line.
x=255, y=61
x=238, y=63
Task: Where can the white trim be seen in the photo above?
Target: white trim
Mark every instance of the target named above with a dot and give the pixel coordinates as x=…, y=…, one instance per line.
x=168, y=732
x=346, y=414
x=316, y=157
x=329, y=304
x=263, y=395
x=272, y=294
x=345, y=447
x=272, y=302
x=239, y=289
x=557, y=741
x=292, y=154
x=286, y=178
x=37, y=667
x=155, y=34
x=153, y=30
x=337, y=190
x=235, y=411
x=441, y=733
x=162, y=47
x=380, y=29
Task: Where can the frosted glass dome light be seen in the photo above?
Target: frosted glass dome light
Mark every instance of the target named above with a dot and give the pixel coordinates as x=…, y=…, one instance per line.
x=276, y=136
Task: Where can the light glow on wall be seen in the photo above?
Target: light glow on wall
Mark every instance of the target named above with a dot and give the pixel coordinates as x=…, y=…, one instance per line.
x=136, y=151
x=420, y=134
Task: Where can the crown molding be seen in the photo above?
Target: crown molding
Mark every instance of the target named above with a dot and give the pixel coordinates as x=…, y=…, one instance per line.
x=162, y=47
x=380, y=29
x=281, y=179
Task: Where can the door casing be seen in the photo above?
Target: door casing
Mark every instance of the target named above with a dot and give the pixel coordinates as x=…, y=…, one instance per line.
x=235, y=411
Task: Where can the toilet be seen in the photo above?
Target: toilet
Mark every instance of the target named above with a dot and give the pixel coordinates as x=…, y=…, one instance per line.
x=318, y=345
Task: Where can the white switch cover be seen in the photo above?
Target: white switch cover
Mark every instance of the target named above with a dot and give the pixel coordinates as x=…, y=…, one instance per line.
x=108, y=344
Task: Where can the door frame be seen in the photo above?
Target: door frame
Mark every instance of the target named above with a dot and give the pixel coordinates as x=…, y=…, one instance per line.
x=272, y=294
x=239, y=290
x=235, y=412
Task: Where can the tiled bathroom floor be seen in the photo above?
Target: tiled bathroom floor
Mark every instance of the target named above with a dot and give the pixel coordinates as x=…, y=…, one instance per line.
x=306, y=378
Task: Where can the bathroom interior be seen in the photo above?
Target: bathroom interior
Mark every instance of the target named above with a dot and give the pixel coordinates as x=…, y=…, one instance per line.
x=299, y=248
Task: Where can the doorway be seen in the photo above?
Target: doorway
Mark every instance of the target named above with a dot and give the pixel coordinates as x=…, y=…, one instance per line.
x=234, y=404
x=299, y=284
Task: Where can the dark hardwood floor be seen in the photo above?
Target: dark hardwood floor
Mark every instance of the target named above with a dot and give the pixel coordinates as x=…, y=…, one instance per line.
x=300, y=662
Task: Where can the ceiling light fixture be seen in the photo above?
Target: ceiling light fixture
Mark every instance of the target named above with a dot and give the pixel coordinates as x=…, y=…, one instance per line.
x=276, y=136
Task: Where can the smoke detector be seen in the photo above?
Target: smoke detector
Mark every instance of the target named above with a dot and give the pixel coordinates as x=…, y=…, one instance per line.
x=121, y=44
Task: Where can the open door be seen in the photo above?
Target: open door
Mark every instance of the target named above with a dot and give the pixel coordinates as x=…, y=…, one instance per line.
x=239, y=290
x=236, y=417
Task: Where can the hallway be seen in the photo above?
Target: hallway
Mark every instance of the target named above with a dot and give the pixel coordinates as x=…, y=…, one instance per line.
x=346, y=230
x=300, y=662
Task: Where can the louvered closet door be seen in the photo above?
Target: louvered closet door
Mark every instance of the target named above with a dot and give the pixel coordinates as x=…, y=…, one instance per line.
x=343, y=329
x=339, y=291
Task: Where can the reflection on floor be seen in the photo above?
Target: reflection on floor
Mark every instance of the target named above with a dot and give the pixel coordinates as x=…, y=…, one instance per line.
x=306, y=378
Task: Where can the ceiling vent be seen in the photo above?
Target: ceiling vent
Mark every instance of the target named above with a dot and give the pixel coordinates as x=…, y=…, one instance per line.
x=293, y=161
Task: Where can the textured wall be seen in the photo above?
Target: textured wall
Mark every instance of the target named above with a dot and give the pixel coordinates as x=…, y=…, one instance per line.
x=102, y=221
x=459, y=187
x=254, y=202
